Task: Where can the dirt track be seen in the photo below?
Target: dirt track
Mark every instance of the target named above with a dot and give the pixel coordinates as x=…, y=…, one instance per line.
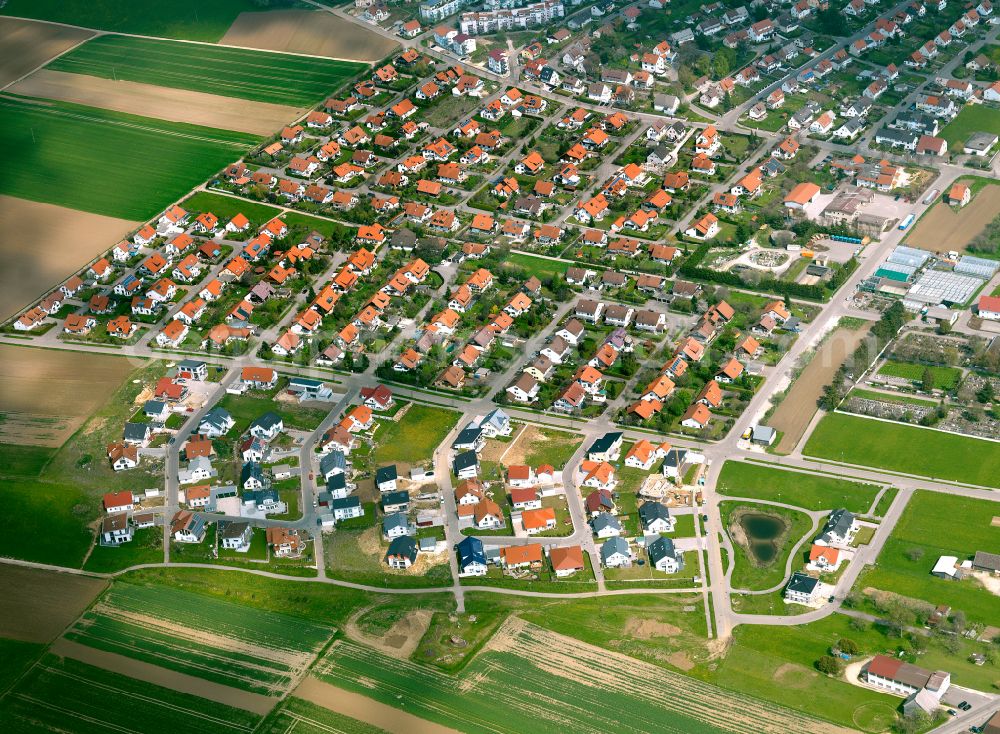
x=947, y=227
x=164, y=103
x=308, y=32
x=799, y=406
x=45, y=602
x=365, y=709
x=156, y=675
x=26, y=45
x=43, y=244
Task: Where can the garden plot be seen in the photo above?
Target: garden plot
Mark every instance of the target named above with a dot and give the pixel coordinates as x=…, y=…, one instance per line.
x=258, y=651
x=531, y=679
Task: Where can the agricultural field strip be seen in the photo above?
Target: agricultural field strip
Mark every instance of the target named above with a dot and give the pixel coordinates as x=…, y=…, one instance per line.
x=113, y=691
x=167, y=650
x=126, y=623
x=523, y=660
x=6, y=101
x=314, y=724
x=244, y=73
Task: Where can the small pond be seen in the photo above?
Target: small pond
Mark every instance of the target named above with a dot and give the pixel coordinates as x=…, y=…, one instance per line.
x=762, y=531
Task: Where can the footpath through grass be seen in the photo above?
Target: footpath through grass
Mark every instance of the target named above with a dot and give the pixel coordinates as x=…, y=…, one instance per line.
x=755, y=576
x=106, y=162
x=809, y=491
x=260, y=76
x=194, y=20
x=907, y=449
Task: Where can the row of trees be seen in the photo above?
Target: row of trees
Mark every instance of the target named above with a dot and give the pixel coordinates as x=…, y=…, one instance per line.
x=892, y=320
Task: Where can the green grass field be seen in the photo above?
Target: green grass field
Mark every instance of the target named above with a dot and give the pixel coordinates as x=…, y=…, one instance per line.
x=414, y=437
x=231, y=72
x=556, y=449
x=16, y=656
x=919, y=529
x=146, y=547
x=972, y=119
x=537, y=266
x=945, y=378
x=747, y=575
x=160, y=626
x=809, y=491
x=64, y=695
x=506, y=685
x=303, y=717
x=777, y=663
x=189, y=19
x=106, y=162
x=906, y=449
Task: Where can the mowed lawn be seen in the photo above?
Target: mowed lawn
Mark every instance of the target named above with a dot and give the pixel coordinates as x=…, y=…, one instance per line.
x=972, y=119
x=538, y=266
x=106, y=162
x=809, y=491
x=414, y=437
x=262, y=76
x=905, y=449
x=932, y=525
x=195, y=20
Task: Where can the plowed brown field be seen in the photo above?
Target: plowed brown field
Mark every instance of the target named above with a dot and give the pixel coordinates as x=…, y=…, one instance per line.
x=27, y=44
x=947, y=227
x=41, y=604
x=799, y=406
x=42, y=244
x=308, y=32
